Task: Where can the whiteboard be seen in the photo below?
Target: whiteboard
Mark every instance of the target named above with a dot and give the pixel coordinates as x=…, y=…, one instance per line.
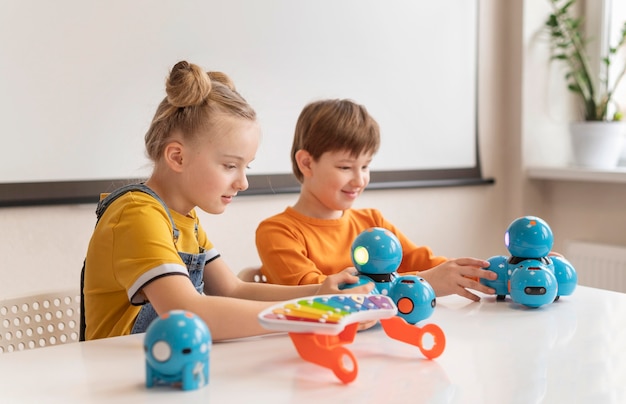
x=80, y=80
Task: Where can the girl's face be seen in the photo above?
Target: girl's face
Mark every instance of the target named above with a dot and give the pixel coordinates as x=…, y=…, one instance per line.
x=217, y=167
x=336, y=179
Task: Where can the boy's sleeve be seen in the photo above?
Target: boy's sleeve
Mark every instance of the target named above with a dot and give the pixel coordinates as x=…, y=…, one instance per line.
x=284, y=255
x=414, y=258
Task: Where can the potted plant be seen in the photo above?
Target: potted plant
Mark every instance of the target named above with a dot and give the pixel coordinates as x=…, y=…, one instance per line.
x=601, y=116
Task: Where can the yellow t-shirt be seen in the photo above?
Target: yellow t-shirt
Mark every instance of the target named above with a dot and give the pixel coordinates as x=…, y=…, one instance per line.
x=132, y=245
x=297, y=250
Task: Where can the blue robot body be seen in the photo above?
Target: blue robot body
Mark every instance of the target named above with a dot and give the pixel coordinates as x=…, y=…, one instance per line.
x=498, y=264
x=565, y=274
x=414, y=297
x=177, y=346
x=377, y=254
x=533, y=284
x=530, y=275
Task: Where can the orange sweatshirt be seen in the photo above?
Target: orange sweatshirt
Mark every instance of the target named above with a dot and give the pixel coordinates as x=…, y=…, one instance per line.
x=297, y=250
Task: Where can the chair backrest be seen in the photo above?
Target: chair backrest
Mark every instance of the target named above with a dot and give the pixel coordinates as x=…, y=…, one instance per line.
x=39, y=321
x=252, y=275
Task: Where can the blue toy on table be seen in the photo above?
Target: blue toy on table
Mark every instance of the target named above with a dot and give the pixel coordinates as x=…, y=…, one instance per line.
x=530, y=275
x=177, y=346
x=376, y=254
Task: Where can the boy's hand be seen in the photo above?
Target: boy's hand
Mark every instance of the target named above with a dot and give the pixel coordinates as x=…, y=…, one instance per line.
x=332, y=283
x=456, y=276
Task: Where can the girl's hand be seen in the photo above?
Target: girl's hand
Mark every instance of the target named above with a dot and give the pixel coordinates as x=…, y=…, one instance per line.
x=331, y=284
x=347, y=276
x=456, y=276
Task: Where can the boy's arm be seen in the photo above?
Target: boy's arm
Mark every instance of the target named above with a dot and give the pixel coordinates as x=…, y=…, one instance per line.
x=414, y=258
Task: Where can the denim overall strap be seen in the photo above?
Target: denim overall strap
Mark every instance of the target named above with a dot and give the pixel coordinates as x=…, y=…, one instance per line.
x=104, y=203
x=195, y=264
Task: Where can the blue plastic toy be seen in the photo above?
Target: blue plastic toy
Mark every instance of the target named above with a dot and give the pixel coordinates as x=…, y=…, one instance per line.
x=530, y=275
x=376, y=254
x=177, y=346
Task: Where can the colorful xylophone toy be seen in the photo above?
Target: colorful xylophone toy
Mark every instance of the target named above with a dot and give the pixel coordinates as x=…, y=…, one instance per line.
x=319, y=326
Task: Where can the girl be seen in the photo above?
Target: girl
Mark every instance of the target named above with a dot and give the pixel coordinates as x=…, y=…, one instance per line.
x=149, y=254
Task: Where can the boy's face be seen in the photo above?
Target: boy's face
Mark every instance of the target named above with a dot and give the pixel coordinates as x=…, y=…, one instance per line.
x=338, y=178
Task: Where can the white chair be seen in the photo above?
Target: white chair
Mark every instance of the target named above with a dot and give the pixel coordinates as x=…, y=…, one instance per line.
x=252, y=275
x=39, y=321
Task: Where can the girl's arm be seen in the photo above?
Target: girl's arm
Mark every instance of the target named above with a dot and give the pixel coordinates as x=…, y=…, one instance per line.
x=226, y=317
x=219, y=280
x=231, y=307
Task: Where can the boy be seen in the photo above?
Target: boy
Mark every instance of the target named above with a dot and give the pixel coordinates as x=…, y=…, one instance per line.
x=334, y=143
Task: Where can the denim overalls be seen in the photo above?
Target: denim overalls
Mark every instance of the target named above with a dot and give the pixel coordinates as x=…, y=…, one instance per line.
x=194, y=262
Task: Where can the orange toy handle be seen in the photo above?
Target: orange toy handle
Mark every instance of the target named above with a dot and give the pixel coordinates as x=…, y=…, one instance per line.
x=327, y=351
x=397, y=328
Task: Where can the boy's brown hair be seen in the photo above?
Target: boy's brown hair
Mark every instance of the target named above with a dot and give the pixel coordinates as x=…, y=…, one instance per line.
x=334, y=125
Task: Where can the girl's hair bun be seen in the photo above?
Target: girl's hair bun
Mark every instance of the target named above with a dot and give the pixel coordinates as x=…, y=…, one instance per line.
x=187, y=85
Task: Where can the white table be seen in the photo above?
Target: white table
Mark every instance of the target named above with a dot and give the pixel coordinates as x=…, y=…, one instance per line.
x=571, y=351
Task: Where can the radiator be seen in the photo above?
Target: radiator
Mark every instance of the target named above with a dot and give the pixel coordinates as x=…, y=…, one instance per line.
x=598, y=265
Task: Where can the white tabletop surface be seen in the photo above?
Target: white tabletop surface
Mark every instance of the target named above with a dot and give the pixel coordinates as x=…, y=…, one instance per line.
x=571, y=351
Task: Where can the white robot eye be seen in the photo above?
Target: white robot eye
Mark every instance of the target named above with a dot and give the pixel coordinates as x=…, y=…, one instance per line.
x=161, y=351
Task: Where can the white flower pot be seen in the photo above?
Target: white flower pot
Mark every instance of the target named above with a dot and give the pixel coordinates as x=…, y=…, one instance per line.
x=597, y=144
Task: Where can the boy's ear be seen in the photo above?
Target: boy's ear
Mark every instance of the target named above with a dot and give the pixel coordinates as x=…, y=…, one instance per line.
x=173, y=155
x=304, y=160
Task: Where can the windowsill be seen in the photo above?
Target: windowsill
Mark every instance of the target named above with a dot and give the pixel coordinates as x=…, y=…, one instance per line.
x=616, y=175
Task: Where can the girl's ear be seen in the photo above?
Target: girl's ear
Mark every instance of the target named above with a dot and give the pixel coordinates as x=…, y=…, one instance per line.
x=305, y=162
x=173, y=155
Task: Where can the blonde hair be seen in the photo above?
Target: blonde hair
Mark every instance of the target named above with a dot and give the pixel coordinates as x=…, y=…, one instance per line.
x=195, y=102
x=334, y=125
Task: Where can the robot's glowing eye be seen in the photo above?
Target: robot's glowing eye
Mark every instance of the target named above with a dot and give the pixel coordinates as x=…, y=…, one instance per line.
x=361, y=256
x=161, y=351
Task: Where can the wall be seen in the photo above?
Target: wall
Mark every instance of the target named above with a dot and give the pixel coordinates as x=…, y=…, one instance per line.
x=42, y=248
x=575, y=210
x=278, y=63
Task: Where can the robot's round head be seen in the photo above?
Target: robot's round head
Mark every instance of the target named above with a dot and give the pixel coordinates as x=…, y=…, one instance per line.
x=376, y=251
x=529, y=237
x=174, y=339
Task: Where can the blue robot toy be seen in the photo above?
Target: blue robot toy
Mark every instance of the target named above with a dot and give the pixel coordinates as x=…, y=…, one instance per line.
x=376, y=254
x=177, y=346
x=530, y=275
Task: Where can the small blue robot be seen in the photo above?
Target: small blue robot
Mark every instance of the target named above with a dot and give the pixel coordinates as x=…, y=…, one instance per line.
x=530, y=275
x=376, y=254
x=177, y=346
